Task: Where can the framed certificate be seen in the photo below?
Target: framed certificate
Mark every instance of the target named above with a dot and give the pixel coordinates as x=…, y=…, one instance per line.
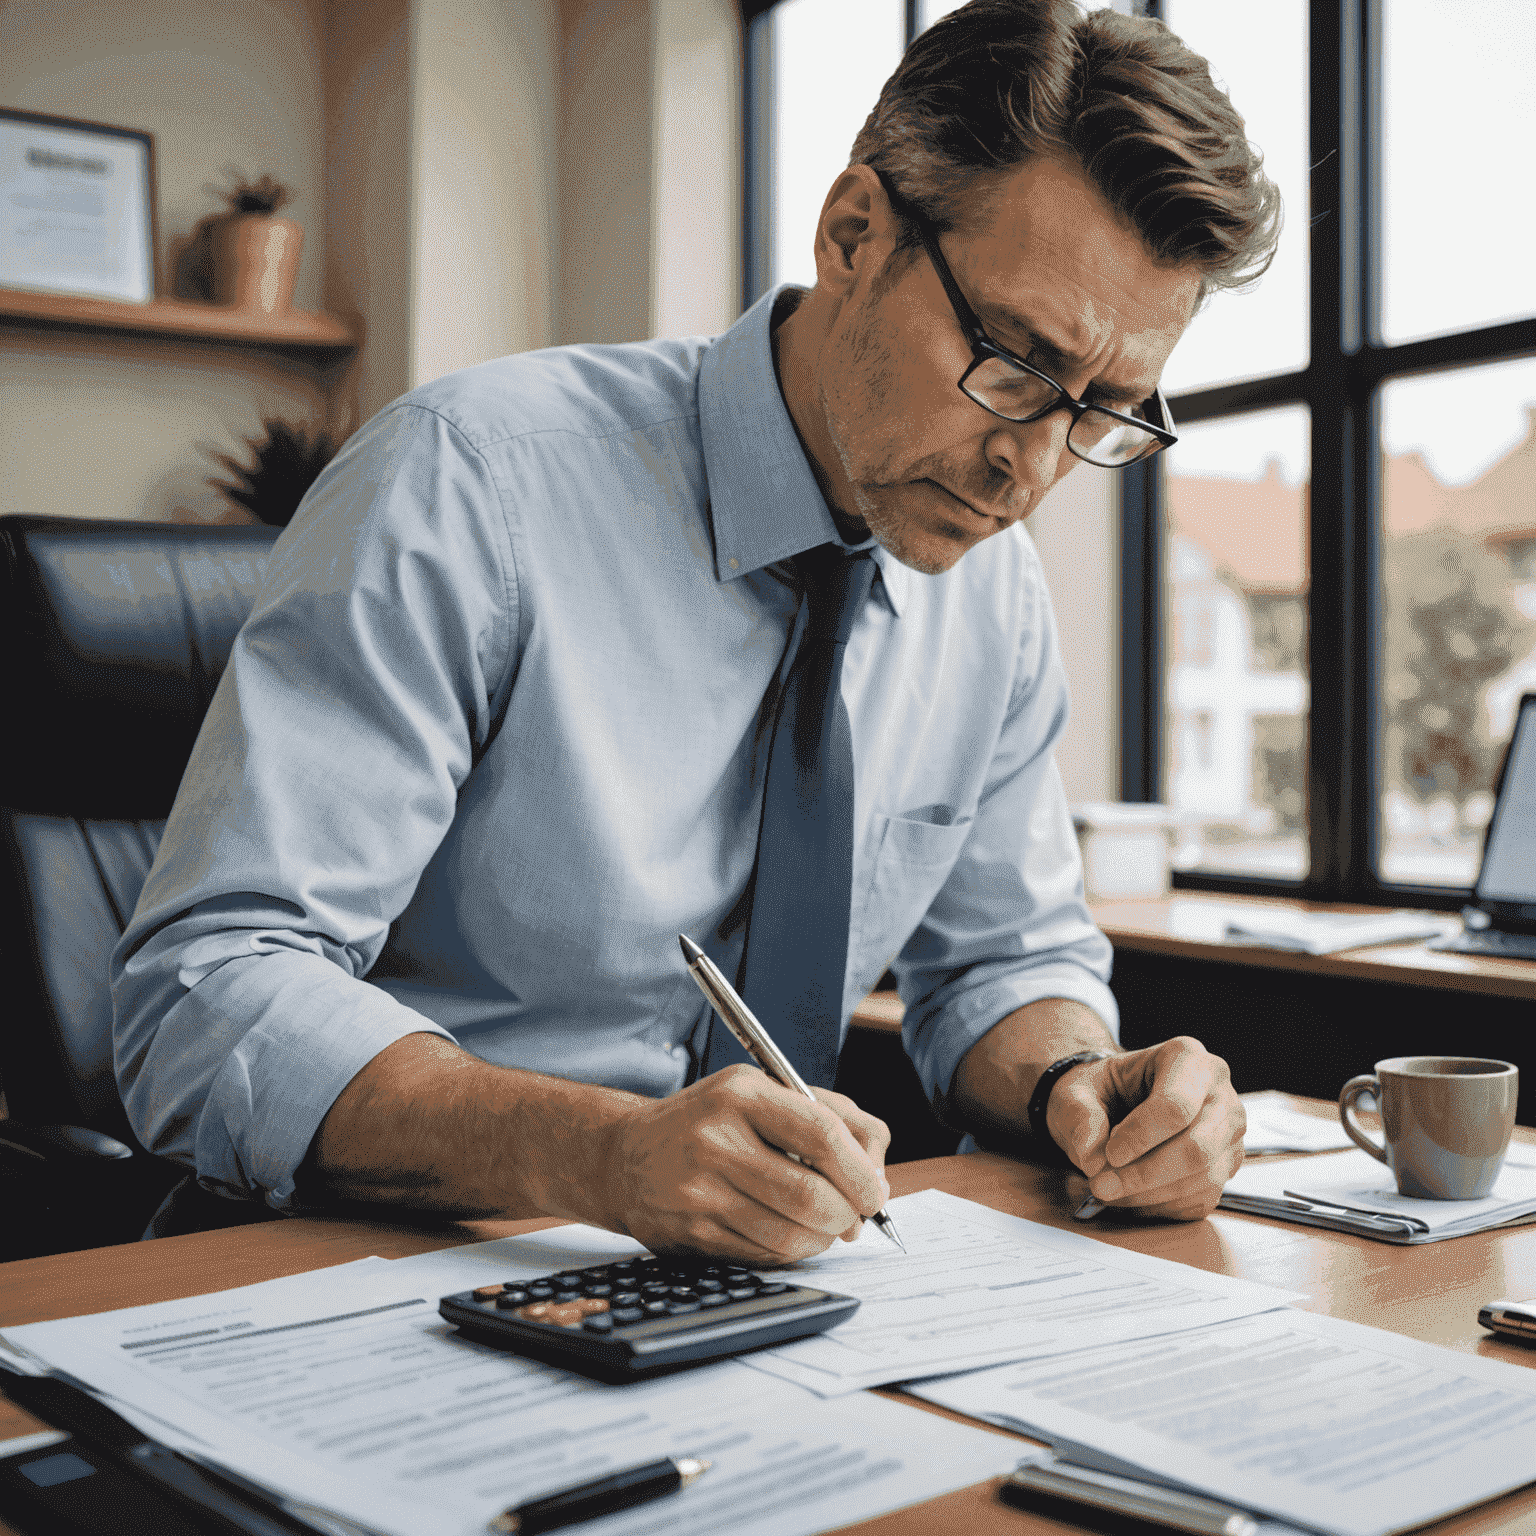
x=77, y=207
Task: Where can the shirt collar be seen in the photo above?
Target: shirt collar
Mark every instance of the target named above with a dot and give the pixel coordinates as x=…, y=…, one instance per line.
x=765, y=504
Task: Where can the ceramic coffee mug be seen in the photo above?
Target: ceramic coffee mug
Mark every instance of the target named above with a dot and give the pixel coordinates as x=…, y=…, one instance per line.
x=1447, y=1121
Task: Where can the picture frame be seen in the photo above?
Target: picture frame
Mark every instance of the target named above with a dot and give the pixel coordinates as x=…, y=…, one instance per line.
x=77, y=207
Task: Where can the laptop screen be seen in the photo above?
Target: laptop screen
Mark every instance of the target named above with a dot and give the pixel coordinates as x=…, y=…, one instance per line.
x=1508, y=876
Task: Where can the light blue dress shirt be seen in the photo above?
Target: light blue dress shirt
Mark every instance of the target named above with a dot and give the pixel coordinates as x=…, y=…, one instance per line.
x=493, y=736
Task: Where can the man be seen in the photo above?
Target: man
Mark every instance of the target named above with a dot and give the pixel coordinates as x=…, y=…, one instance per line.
x=500, y=724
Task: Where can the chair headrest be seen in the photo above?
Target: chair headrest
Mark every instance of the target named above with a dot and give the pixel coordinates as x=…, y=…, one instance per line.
x=115, y=635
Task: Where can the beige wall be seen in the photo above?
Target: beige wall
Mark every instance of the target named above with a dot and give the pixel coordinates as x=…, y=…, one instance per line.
x=695, y=234
x=606, y=171
x=486, y=102
x=120, y=427
x=1077, y=532
x=369, y=198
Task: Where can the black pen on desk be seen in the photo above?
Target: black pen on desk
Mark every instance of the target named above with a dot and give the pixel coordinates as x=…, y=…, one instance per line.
x=756, y=1041
x=602, y=1496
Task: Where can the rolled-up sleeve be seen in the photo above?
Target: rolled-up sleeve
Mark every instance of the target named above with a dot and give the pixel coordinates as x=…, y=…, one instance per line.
x=1010, y=925
x=355, y=702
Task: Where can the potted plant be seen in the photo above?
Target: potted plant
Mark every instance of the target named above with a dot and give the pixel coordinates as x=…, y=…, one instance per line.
x=250, y=253
x=287, y=461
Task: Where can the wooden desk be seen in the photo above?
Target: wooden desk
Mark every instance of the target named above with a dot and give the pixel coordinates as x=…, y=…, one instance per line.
x=1430, y=1293
x=1189, y=924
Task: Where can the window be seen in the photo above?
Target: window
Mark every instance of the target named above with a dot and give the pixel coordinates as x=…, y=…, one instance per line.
x=1329, y=584
x=1353, y=497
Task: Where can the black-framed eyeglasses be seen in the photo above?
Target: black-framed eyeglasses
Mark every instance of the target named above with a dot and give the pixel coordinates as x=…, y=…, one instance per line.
x=1017, y=391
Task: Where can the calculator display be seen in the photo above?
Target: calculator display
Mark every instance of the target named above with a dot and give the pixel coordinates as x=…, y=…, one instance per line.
x=641, y=1315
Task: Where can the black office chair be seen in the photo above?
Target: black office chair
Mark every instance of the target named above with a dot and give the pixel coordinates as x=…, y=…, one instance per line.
x=115, y=635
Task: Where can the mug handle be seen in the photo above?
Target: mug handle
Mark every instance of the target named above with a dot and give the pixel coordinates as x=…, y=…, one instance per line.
x=1351, y=1091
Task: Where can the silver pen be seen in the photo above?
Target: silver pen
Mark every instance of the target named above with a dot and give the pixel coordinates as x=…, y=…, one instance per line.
x=755, y=1040
x=1048, y=1475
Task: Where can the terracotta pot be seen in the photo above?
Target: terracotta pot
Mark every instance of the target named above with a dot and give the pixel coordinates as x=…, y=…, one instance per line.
x=256, y=262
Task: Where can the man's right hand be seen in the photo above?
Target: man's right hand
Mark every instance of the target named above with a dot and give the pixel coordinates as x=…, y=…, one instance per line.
x=704, y=1170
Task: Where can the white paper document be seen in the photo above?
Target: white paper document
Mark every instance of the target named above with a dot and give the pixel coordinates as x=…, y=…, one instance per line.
x=978, y=1288
x=1327, y=1423
x=1356, y=1182
x=1276, y=1125
x=343, y=1389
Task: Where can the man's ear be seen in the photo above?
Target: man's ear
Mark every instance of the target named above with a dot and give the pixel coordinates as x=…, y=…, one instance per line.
x=856, y=232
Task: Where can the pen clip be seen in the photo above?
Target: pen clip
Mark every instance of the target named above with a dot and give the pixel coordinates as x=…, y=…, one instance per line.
x=1382, y=1219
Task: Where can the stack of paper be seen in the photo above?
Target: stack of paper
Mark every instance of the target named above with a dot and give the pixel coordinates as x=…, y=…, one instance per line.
x=1328, y=1423
x=1324, y=933
x=1352, y=1192
x=345, y=1391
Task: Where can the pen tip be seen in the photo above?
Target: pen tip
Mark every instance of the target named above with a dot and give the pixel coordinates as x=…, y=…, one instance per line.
x=691, y=951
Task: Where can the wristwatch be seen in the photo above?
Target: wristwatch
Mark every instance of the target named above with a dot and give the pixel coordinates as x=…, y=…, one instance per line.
x=1045, y=1143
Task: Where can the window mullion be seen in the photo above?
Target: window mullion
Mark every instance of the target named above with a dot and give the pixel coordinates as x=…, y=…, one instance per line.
x=1335, y=40
x=1362, y=612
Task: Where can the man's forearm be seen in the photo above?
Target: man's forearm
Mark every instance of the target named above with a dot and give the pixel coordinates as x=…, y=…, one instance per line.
x=427, y=1125
x=996, y=1077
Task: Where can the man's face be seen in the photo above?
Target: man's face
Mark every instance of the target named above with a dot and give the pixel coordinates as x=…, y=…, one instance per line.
x=1055, y=278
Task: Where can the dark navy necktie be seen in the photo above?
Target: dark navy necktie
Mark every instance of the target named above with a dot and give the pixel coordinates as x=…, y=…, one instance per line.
x=796, y=951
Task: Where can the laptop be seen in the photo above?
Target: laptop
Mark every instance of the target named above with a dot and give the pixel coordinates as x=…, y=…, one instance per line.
x=1502, y=917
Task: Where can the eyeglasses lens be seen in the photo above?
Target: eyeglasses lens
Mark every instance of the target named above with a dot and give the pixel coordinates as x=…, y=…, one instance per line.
x=1103, y=440
x=1009, y=391
x=1019, y=396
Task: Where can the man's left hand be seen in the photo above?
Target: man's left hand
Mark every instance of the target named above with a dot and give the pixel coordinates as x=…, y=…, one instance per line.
x=1156, y=1131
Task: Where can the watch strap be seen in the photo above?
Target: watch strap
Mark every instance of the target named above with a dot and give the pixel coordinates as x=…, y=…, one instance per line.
x=1045, y=1143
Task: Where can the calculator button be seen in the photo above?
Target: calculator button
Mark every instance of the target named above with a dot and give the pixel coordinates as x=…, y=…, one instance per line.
x=487, y=1292
x=598, y=1288
x=714, y=1299
x=655, y=1288
x=535, y=1311
x=599, y=1322
x=567, y=1296
x=516, y=1295
x=742, y=1292
x=654, y=1308
x=626, y=1298
x=591, y=1305
x=684, y=1293
x=710, y=1284
x=566, y=1317
x=626, y=1314
x=772, y=1288
x=541, y=1292
x=677, y=1308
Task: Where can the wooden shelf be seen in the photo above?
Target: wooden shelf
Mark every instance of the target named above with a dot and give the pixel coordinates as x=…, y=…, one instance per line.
x=174, y=317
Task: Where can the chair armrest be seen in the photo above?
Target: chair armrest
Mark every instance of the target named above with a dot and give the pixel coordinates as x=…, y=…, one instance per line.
x=57, y=1143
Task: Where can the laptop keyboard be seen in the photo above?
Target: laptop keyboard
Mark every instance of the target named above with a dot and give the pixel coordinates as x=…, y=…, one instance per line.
x=1491, y=941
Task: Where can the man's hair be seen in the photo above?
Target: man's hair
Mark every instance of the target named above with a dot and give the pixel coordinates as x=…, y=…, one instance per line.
x=998, y=82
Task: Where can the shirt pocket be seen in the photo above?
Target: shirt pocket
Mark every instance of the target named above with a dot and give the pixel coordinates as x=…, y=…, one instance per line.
x=912, y=860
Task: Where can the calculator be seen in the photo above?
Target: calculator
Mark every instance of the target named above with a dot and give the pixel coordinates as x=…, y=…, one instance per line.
x=640, y=1316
